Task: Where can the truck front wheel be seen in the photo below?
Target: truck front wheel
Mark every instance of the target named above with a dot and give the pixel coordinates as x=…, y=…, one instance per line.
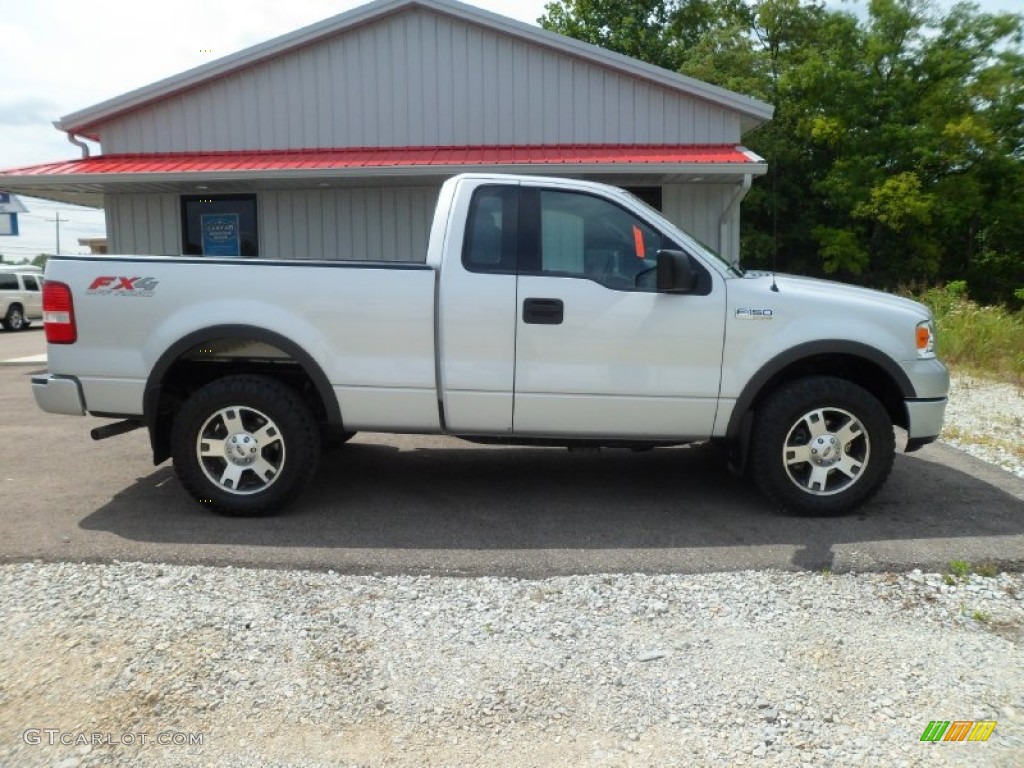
x=821, y=446
x=245, y=445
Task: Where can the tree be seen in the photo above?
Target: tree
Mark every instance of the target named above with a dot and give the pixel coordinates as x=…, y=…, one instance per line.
x=655, y=31
x=896, y=153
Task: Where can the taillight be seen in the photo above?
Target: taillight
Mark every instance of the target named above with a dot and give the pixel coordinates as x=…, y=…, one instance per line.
x=59, y=313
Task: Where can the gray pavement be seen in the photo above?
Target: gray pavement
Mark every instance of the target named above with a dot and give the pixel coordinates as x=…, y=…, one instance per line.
x=30, y=342
x=390, y=504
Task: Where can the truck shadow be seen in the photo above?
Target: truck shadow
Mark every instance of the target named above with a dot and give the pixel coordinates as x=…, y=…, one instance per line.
x=454, y=509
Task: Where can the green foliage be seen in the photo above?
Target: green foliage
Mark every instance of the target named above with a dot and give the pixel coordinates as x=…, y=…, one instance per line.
x=984, y=339
x=959, y=568
x=896, y=153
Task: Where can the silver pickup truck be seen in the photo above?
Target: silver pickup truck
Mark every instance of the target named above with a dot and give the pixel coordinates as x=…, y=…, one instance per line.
x=546, y=312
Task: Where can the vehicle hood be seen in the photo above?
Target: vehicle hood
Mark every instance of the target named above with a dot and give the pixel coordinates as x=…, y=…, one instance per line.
x=794, y=286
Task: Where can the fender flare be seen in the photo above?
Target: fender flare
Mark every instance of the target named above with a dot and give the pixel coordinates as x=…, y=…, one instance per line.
x=811, y=349
x=154, y=383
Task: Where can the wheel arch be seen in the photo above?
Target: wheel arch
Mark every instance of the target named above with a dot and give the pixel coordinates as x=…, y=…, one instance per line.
x=859, y=363
x=169, y=380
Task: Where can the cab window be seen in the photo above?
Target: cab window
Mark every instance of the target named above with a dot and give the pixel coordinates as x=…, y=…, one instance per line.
x=586, y=236
x=490, y=242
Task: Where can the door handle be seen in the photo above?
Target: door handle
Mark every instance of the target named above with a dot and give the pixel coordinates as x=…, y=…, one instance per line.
x=543, y=311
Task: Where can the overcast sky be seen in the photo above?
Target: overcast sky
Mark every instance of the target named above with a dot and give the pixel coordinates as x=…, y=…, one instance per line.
x=59, y=56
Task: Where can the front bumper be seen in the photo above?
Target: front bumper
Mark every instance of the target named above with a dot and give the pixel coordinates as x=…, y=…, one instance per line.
x=925, y=411
x=58, y=394
x=924, y=421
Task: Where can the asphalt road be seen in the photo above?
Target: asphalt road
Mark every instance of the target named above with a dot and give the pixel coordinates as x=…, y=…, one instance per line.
x=388, y=504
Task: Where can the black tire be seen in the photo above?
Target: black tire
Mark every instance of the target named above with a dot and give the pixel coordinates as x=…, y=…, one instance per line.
x=14, y=320
x=230, y=471
x=821, y=446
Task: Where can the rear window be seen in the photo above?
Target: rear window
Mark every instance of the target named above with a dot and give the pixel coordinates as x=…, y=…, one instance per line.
x=8, y=282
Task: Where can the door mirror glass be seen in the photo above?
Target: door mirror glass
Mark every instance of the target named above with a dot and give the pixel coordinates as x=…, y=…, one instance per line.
x=676, y=273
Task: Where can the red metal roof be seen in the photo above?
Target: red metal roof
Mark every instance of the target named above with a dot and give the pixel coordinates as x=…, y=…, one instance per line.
x=390, y=157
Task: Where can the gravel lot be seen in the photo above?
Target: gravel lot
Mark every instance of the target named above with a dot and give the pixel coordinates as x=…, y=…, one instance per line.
x=305, y=669
x=986, y=420
x=291, y=668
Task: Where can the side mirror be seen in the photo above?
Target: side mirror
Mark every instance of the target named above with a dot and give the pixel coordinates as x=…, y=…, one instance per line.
x=675, y=272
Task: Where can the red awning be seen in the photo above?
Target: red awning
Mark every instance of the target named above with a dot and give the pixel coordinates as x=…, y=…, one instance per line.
x=391, y=157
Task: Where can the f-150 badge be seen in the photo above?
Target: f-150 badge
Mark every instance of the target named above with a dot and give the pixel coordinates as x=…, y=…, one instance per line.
x=754, y=314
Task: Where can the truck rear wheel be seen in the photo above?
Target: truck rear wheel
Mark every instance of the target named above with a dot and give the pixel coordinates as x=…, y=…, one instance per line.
x=245, y=445
x=821, y=446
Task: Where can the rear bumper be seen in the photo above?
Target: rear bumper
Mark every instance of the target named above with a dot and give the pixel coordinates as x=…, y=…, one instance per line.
x=58, y=394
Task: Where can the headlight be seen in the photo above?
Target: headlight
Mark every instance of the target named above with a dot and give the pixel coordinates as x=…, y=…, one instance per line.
x=926, y=339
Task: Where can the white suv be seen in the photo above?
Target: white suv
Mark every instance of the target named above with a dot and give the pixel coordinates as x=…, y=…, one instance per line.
x=21, y=298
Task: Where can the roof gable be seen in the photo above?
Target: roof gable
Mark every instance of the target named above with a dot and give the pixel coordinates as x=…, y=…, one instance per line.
x=87, y=121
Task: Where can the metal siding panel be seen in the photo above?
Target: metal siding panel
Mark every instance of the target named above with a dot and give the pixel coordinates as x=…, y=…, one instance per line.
x=111, y=207
x=580, y=95
x=628, y=116
x=309, y=102
x=598, y=119
x=386, y=212
x=550, y=93
x=429, y=79
x=343, y=222
x=505, y=89
x=419, y=78
x=361, y=211
x=415, y=63
x=565, y=106
x=299, y=225
x=126, y=224
x=294, y=129
x=445, y=82
x=267, y=212
x=472, y=94
x=171, y=216
x=315, y=227
x=322, y=77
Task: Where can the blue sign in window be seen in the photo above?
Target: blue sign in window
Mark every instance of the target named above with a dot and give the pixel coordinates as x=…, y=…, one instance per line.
x=220, y=234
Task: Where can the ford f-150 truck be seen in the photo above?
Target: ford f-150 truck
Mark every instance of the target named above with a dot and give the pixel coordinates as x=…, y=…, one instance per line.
x=547, y=312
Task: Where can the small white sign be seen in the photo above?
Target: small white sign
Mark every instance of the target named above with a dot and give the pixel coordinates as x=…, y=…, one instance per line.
x=11, y=204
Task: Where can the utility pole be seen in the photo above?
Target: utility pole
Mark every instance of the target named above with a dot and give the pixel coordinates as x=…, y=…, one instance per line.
x=58, y=220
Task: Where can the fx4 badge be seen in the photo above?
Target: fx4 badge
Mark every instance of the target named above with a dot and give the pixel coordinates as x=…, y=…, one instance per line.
x=754, y=314
x=123, y=286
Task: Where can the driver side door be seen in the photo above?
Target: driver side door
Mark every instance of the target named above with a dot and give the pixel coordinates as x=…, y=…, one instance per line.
x=599, y=352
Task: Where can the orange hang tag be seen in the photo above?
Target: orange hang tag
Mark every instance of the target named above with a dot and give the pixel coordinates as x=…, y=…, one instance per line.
x=638, y=242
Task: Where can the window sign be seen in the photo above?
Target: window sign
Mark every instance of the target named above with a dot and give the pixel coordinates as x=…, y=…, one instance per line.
x=223, y=226
x=221, y=235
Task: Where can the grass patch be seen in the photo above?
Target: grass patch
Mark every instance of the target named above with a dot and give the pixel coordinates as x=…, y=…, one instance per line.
x=987, y=341
x=959, y=568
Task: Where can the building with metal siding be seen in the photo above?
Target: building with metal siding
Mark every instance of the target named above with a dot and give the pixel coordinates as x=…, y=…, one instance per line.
x=344, y=131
